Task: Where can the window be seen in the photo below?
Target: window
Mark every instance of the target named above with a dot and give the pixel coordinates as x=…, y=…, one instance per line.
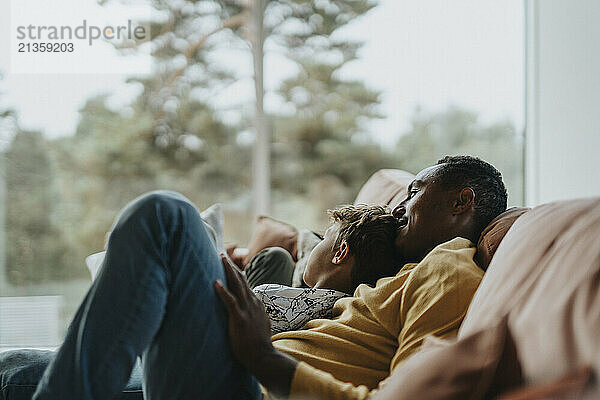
x=349, y=88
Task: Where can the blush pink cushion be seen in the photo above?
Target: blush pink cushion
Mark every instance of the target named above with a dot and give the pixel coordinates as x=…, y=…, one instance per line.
x=492, y=235
x=546, y=276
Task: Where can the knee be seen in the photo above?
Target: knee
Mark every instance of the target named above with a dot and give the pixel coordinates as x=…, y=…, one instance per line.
x=153, y=206
x=274, y=257
x=160, y=198
x=278, y=254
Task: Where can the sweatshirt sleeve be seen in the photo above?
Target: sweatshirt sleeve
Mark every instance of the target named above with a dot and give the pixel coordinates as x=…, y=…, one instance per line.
x=312, y=383
x=434, y=302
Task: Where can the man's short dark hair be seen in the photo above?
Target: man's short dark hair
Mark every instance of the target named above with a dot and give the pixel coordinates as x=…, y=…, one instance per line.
x=370, y=232
x=457, y=172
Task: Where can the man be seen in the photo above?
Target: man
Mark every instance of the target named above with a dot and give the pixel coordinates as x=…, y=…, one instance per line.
x=154, y=298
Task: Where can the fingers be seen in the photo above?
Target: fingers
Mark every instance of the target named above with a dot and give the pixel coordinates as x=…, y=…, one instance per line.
x=235, y=280
x=226, y=297
x=228, y=263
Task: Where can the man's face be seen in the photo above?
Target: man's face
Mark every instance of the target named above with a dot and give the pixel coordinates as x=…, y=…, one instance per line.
x=319, y=261
x=425, y=216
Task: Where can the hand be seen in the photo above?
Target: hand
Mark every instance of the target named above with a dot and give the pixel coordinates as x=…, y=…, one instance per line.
x=250, y=333
x=249, y=326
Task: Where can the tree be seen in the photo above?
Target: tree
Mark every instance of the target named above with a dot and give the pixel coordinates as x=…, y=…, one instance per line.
x=176, y=96
x=114, y=157
x=303, y=31
x=172, y=136
x=326, y=132
x=35, y=249
x=321, y=143
x=320, y=140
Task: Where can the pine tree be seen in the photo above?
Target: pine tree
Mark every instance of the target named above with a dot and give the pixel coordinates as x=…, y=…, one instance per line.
x=183, y=44
x=323, y=136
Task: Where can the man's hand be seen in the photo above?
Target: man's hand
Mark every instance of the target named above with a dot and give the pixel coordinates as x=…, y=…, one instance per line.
x=249, y=326
x=250, y=333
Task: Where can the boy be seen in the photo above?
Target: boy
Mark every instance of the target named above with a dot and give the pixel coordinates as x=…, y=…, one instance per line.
x=358, y=248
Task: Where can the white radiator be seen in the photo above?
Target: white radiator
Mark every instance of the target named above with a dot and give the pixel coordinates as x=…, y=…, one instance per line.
x=31, y=321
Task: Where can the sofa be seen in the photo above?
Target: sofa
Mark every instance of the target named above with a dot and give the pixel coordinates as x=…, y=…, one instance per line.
x=542, y=281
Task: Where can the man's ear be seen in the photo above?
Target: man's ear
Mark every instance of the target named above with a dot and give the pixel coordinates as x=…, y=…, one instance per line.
x=341, y=254
x=464, y=201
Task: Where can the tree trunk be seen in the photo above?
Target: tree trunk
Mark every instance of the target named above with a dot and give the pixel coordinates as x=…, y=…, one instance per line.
x=262, y=159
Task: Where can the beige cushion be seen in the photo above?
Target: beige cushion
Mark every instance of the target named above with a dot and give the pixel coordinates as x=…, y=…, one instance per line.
x=477, y=366
x=270, y=232
x=385, y=187
x=546, y=276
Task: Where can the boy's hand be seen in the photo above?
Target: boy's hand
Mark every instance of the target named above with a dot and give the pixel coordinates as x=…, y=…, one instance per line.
x=250, y=333
x=236, y=254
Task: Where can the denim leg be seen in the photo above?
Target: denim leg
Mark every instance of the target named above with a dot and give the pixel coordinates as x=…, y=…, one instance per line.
x=154, y=297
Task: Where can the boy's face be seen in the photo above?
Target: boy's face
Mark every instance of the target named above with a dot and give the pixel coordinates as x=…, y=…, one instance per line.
x=320, y=265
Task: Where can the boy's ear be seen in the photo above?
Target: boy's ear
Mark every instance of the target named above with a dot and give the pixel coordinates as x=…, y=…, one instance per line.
x=341, y=254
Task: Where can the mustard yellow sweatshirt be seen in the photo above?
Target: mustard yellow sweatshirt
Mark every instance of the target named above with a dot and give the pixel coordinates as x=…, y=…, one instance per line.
x=371, y=333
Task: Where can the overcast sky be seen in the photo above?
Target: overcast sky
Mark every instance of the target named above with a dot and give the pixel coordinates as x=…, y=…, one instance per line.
x=427, y=53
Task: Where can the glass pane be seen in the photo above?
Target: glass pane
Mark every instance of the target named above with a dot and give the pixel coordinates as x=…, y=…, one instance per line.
x=349, y=88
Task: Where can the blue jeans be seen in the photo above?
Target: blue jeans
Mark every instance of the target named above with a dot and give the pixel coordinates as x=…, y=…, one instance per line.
x=153, y=298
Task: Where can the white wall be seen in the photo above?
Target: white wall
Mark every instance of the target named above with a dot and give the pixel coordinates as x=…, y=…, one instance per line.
x=563, y=100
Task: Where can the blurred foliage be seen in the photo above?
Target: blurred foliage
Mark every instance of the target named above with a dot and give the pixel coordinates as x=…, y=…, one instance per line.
x=325, y=133
x=63, y=194
x=7, y=121
x=454, y=131
x=321, y=146
x=36, y=249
